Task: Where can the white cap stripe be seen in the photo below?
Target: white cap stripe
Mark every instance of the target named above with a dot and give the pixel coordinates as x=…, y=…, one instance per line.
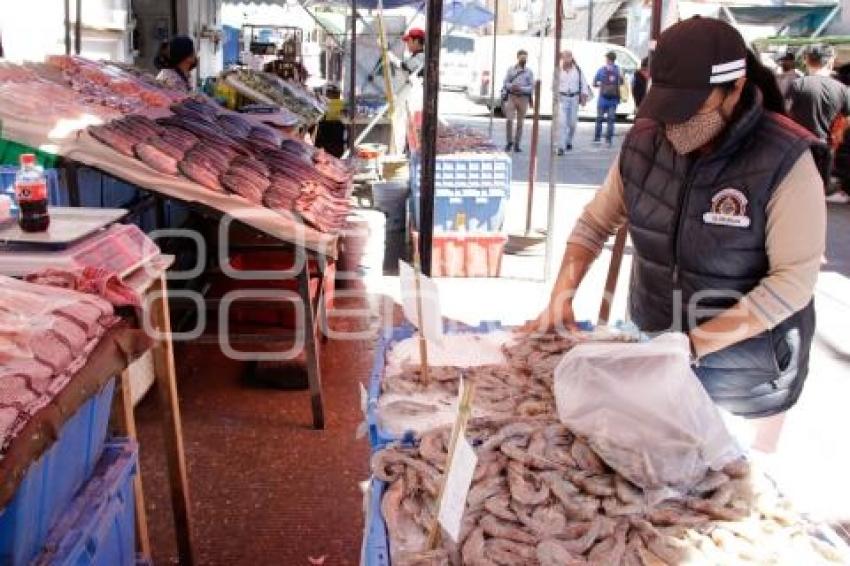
x=726, y=77
x=730, y=66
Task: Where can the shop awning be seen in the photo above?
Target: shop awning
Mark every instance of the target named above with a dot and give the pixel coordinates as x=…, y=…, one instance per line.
x=362, y=4
x=465, y=14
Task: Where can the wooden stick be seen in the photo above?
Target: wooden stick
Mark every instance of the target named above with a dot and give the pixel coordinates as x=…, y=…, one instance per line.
x=423, y=342
x=463, y=413
x=613, y=275
x=169, y=407
x=124, y=424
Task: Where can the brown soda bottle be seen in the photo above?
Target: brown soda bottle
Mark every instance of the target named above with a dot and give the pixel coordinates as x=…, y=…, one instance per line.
x=31, y=194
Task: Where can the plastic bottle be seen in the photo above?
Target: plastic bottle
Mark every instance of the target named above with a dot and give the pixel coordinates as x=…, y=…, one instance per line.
x=31, y=193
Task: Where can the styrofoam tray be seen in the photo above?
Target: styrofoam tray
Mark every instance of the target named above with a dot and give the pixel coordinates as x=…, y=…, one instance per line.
x=67, y=225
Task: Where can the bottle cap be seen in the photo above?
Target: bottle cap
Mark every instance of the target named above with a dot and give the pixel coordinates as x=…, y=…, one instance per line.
x=27, y=159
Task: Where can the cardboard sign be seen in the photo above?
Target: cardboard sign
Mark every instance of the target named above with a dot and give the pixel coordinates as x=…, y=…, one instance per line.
x=431, y=325
x=456, y=488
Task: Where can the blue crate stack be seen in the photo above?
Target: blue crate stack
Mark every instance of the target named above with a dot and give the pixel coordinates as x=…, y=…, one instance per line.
x=46, y=505
x=471, y=189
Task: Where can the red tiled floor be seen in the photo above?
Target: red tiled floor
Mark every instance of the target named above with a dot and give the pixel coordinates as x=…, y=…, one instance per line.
x=266, y=488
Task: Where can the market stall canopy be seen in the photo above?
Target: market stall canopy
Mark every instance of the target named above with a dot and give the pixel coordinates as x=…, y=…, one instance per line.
x=364, y=4
x=466, y=14
x=575, y=20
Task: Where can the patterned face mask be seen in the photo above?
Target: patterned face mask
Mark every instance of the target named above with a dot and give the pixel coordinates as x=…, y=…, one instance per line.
x=696, y=132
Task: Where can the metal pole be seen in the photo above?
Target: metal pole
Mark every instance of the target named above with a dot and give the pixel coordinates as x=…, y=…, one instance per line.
x=78, y=32
x=532, y=159
x=67, y=27
x=655, y=25
x=590, y=20
x=553, y=135
x=493, y=66
x=352, y=78
x=428, y=142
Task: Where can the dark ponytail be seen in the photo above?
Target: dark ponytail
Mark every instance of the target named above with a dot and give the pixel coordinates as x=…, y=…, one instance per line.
x=765, y=80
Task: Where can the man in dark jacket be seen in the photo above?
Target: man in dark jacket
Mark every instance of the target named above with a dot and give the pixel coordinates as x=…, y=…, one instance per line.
x=817, y=99
x=640, y=82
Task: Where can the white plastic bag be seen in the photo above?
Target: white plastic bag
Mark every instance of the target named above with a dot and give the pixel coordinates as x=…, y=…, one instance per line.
x=644, y=412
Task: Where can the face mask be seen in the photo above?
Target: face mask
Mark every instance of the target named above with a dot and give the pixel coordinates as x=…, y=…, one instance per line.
x=696, y=132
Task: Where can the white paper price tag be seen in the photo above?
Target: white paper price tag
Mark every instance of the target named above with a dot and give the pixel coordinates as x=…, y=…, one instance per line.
x=453, y=502
x=431, y=325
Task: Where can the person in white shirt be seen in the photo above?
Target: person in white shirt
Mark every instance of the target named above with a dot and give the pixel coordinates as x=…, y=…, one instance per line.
x=573, y=92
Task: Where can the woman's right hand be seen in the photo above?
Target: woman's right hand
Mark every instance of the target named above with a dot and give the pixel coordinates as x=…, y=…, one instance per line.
x=558, y=316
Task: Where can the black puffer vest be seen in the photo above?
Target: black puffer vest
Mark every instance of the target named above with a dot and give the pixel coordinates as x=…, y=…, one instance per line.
x=682, y=261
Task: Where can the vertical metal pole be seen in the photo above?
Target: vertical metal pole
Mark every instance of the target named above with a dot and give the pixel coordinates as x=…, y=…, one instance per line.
x=67, y=27
x=78, y=32
x=590, y=20
x=553, y=135
x=429, y=132
x=493, y=66
x=352, y=82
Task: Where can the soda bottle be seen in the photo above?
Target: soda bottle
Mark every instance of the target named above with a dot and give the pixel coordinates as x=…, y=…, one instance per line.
x=31, y=193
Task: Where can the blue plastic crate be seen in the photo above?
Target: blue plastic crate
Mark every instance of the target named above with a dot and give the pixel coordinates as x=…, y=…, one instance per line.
x=378, y=437
x=51, y=482
x=57, y=195
x=376, y=551
x=98, y=528
x=474, y=188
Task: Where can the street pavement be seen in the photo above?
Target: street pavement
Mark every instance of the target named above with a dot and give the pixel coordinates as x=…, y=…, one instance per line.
x=812, y=462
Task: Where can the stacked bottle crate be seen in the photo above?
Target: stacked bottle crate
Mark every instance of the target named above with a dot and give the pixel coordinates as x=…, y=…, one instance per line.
x=470, y=199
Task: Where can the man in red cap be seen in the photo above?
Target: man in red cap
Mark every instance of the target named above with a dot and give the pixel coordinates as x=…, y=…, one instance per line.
x=414, y=65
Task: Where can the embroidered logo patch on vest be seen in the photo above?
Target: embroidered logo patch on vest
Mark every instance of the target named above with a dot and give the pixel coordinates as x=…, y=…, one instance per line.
x=728, y=208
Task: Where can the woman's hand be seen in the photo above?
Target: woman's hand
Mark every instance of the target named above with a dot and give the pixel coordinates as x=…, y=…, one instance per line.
x=558, y=316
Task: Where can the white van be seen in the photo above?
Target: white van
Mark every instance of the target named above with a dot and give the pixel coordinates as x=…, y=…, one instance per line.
x=456, y=55
x=590, y=56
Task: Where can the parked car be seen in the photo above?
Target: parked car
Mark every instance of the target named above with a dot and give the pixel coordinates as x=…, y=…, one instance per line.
x=590, y=56
x=455, y=60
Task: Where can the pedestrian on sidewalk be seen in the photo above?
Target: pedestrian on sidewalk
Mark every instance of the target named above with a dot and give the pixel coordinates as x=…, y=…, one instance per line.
x=818, y=99
x=609, y=79
x=574, y=92
x=517, y=90
x=722, y=197
x=786, y=74
x=640, y=82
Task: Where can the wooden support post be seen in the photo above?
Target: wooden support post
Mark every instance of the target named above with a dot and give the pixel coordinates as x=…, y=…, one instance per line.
x=124, y=424
x=169, y=407
x=423, y=342
x=314, y=376
x=532, y=160
x=613, y=275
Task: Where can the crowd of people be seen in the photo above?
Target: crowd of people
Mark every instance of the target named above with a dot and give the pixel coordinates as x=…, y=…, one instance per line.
x=811, y=93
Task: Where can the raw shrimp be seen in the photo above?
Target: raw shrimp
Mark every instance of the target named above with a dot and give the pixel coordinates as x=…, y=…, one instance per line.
x=586, y=458
x=498, y=528
x=522, y=485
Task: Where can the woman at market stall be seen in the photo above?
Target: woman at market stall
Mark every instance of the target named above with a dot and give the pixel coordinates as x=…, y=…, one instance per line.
x=723, y=199
x=181, y=61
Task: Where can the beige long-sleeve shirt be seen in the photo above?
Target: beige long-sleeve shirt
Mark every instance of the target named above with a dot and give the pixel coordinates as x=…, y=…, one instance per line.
x=795, y=232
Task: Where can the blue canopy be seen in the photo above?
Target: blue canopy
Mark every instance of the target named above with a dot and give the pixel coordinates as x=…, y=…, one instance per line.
x=469, y=15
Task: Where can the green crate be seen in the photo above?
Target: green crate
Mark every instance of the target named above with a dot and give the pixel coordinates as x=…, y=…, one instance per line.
x=10, y=154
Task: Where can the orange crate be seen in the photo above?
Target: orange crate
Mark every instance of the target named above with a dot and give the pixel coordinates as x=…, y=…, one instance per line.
x=463, y=254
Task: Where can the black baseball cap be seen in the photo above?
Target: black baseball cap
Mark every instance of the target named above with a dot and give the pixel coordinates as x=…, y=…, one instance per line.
x=690, y=59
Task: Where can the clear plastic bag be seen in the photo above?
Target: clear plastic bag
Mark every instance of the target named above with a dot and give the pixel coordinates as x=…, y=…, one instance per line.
x=644, y=412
